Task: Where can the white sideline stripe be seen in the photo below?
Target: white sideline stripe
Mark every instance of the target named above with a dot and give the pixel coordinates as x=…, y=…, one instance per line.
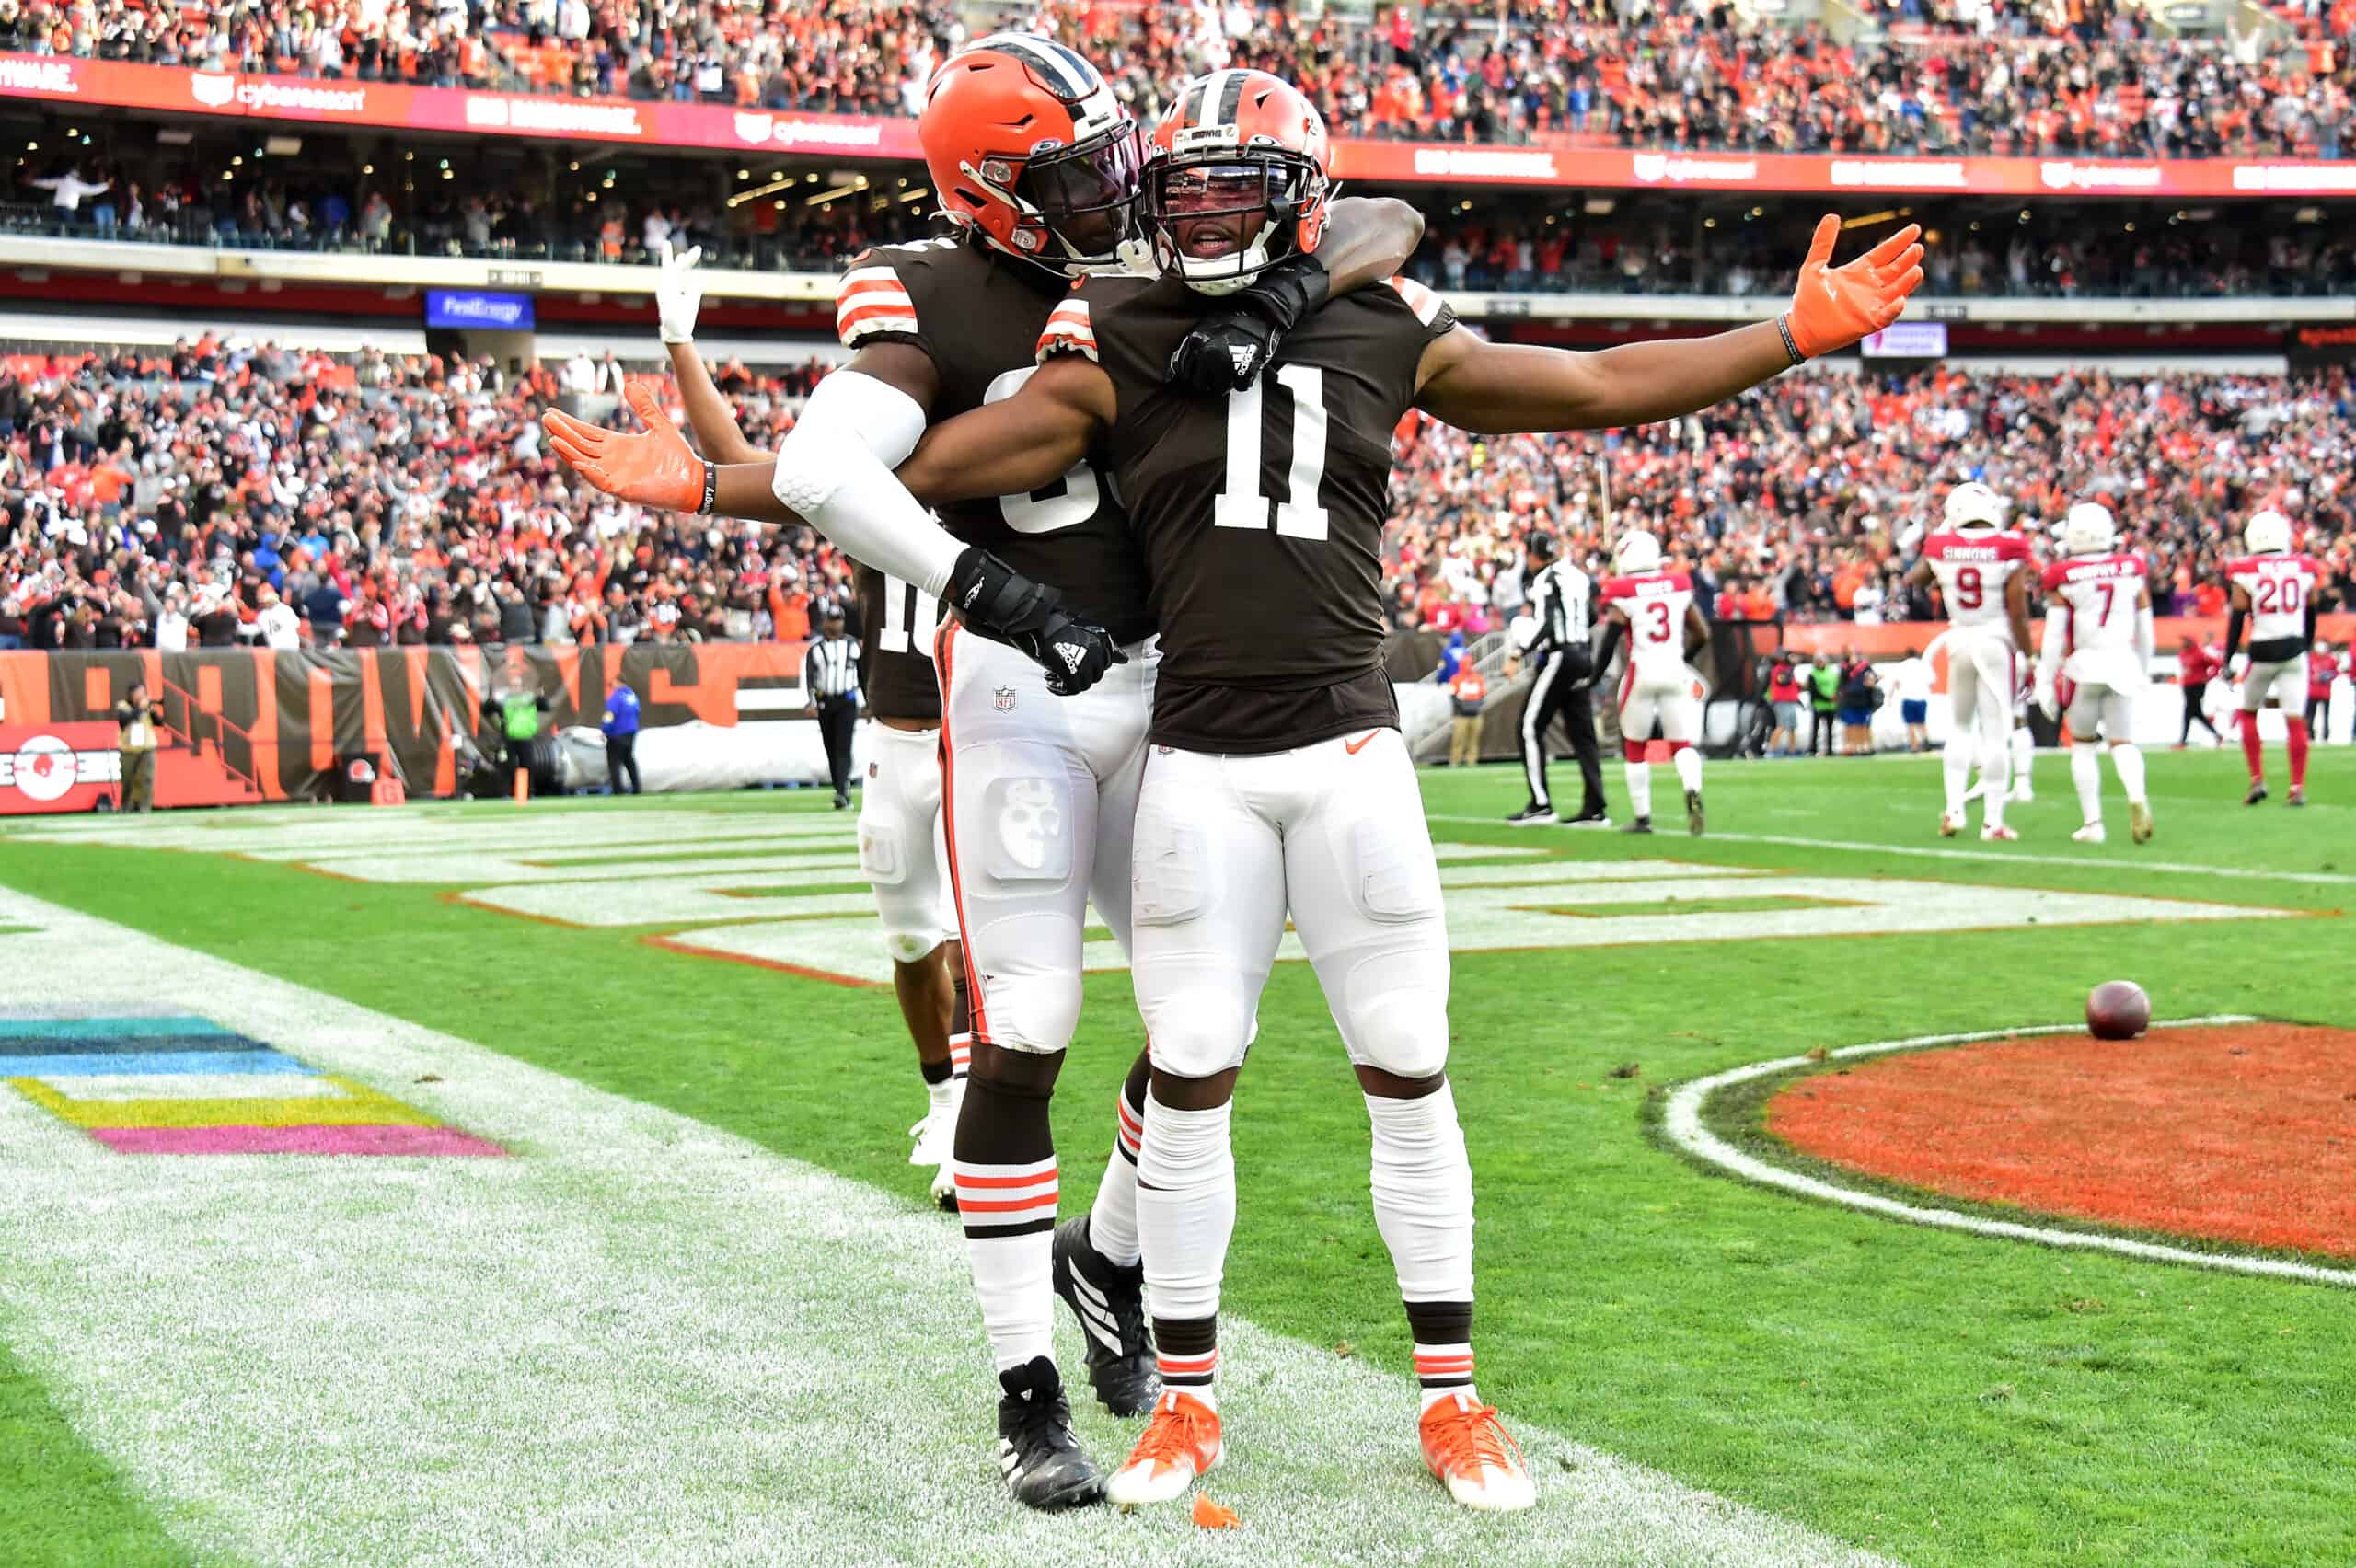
x=195, y=1086
x=747, y=1358
x=1685, y=1129
x=2112, y=862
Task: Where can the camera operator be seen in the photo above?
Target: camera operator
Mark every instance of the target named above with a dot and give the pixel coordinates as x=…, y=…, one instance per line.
x=136, y=719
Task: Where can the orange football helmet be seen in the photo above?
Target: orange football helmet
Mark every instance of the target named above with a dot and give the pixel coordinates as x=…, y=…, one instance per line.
x=1240, y=162
x=1028, y=147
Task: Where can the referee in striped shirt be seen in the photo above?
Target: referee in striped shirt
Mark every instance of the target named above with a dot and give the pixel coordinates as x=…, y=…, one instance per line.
x=831, y=671
x=1561, y=608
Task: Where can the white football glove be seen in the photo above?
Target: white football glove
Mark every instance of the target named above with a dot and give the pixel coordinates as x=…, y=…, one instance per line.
x=2046, y=699
x=677, y=294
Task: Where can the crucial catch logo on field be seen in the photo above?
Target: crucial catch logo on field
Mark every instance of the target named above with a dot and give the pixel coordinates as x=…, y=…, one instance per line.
x=184, y=1085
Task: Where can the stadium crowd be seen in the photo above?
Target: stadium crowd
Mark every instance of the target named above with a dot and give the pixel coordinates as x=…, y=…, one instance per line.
x=1806, y=499
x=145, y=500
x=1989, y=75
x=234, y=492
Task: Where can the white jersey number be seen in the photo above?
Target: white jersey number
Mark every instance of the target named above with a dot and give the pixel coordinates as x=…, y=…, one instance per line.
x=909, y=616
x=1065, y=504
x=1240, y=504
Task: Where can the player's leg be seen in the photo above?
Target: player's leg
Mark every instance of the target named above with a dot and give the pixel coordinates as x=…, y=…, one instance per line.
x=1680, y=726
x=1639, y=713
x=1097, y=1267
x=1963, y=718
x=901, y=854
x=1537, y=711
x=1365, y=896
x=1993, y=675
x=1021, y=809
x=2256, y=680
x=2290, y=691
x=2126, y=760
x=2084, y=715
x=1209, y=887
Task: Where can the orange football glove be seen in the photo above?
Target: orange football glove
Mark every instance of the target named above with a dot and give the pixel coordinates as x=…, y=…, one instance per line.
x=656, y=469
x=1834, y=306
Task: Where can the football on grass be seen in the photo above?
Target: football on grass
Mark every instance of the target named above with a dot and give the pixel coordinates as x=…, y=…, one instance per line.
x=2117, y=1010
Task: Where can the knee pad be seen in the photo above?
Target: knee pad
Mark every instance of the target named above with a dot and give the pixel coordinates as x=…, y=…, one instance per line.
x=1034, y=1013
x=1197, y=1033
x=907, y=893
x=1021, y=826
x=1399, y=1029
x=1396, y=879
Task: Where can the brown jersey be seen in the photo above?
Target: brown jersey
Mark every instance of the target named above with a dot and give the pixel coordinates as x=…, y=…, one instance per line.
x=895, y=626
x=1262, y=513
x=978, y=317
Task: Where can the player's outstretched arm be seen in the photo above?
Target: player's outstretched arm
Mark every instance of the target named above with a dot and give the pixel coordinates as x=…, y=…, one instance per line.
x=1497, y=387
x=679, y=295
x=1367, y=240
x=1016, y=445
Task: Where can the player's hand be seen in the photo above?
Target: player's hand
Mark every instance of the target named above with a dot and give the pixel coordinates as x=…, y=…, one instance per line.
x=1000, y=603
x=1227, y=352
x=1834, y=306
x=655, y=467
x=678, y=294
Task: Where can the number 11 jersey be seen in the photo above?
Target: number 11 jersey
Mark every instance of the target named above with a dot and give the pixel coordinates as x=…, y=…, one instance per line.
x=1261, y=512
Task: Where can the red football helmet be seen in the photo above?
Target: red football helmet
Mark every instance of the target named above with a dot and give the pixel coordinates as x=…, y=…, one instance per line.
x=1237, y=167
x=1028, y=147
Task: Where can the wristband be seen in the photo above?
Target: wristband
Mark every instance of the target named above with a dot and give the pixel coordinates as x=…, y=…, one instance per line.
x=710, y=488
x=1791, y=346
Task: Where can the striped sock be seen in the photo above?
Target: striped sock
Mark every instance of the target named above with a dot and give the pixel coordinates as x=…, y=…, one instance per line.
x=961, y=1026
x=1186, y=1352
x=1443, y=1335
x=1112, y=1221
x=1005, y=1172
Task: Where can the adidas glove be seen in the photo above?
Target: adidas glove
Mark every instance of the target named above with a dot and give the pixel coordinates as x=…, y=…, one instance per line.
x=1226, y=354
x=1000, y=603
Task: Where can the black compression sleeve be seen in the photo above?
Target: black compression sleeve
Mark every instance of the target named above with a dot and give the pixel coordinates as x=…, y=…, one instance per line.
x=2233, y=632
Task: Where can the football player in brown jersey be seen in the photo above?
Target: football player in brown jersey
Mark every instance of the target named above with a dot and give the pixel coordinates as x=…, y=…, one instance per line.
x=1278, y=782
x=901, y=850
x=1026, y=145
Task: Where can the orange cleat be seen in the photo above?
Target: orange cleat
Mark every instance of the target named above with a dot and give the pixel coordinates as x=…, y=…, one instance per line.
x=1467, y=1448
x=1180, y=1443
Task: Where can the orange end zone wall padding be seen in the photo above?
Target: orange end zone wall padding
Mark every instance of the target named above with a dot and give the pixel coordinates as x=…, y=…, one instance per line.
x=271, y=725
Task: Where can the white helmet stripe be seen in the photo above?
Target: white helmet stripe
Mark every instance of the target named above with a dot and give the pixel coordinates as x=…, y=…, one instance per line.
x=1046, y=58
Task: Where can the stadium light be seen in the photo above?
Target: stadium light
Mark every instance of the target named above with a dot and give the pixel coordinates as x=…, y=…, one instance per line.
x=919, y=194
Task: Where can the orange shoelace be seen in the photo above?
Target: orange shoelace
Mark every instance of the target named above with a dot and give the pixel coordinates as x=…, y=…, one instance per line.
x=1175, y=1434
x=1469, y=1439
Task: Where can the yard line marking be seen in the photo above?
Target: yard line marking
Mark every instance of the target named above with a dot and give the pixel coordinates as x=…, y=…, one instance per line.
x=2116, y=862
x=1685, y=1129
x=312, y=1359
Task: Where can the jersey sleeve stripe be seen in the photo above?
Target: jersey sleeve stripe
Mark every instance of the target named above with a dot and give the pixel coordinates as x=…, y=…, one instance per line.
x=868, y=320
x=1421, y=300
x=859, y=275
x=1068, y=330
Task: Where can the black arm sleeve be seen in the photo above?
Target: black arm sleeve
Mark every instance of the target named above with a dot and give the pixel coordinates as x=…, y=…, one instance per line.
x=2311, y=620
x=1613, y=626
x=2233, y=633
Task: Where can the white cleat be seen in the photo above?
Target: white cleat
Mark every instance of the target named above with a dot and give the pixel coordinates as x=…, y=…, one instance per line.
x=2139, y=820
x=1950, y=824
x=1469, y=1449
x=1999, y=834
x=2023, y=795
x=934, y=1141
x=2090, y=834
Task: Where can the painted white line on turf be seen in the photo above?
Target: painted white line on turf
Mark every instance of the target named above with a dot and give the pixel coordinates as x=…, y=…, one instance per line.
x=1688, y=1101
x=2132, y=861
x=637, y=1340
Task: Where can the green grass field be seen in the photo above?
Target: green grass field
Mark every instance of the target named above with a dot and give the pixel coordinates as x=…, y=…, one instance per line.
x=1938, y=1398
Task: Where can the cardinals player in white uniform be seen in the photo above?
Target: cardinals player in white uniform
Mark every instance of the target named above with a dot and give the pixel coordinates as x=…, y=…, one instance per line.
x=1984, y=582
x=2274, y=593
x=1655, y=610
x=2098, y=644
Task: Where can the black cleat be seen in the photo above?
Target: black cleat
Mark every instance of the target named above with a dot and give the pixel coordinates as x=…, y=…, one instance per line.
x=1109, y=1302
x=2256, y=794
x=1693, y=812
x=1044, y=1464
x=1533, y=815
x=1593, y=816
x=1642, y=824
